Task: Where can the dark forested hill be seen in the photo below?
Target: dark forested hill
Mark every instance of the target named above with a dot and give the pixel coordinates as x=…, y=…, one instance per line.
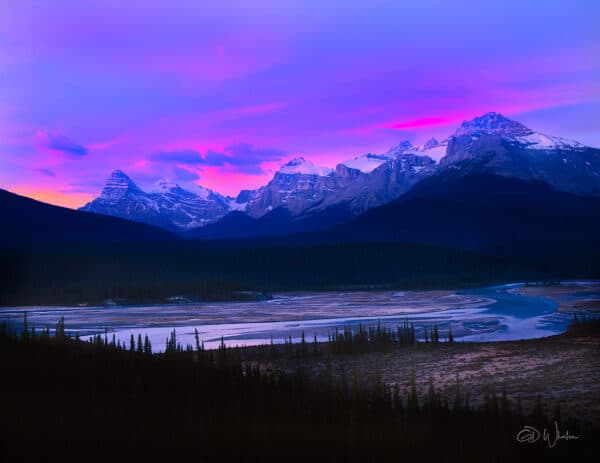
x=480, y=212
x=25, y=222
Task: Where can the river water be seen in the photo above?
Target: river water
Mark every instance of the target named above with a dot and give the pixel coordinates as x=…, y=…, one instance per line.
x=484, y=314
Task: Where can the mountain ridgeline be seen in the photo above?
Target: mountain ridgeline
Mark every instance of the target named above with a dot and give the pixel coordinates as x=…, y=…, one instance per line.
x=303, y=197
x=494, y=202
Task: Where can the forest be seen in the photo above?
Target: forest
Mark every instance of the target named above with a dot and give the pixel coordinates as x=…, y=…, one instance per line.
x=65, y=394
x=151, y=272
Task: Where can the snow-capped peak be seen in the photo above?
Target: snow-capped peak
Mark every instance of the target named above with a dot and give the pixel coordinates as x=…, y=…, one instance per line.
x=118, y=180
x=497, y=124
x=399, y=149
x=300, y=165
x=367, y=162
x=116, y=185
x=165, y=186
x=429, y=144
x=432, y=148
x=119, y=175
x=493, y=123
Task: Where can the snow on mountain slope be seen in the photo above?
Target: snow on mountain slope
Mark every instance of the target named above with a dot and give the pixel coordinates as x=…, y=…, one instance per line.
x=296, y=186
x=369, y=162
x=302, y=166
x=497, y=124
x=497, y=145
x=168, y=205
x=432, y=148
x=539, y=141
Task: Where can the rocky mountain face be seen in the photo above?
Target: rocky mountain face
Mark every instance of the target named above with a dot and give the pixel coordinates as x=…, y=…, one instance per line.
x=297, y=186
x=383, y=184
x=489, y=144
x=497, y=145
x=169, y=207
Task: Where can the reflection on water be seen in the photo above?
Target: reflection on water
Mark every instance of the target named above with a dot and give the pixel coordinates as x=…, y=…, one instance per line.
x=485, y=314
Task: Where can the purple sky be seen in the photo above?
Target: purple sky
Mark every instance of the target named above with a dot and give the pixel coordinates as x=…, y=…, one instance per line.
x=221, y=93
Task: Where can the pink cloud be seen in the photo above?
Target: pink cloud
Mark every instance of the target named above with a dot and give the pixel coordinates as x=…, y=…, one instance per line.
x=418, y=123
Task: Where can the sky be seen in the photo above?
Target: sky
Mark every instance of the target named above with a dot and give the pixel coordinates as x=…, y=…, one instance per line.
x=221, y=93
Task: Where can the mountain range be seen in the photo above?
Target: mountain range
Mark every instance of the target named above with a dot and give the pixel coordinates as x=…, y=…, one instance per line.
x=493, y=202
x=303, y=196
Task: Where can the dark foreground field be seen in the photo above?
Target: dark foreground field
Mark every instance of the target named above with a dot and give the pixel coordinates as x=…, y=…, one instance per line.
x=63, y=396
x=561, y=371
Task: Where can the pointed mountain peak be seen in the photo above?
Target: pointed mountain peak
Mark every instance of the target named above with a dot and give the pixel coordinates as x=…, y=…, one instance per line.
x=299, y=165
x=118, y=178
x=493, y=123
x=117, y=184
x=399, y=148
x=119, y=175
x=295, y=162
x=431, y=143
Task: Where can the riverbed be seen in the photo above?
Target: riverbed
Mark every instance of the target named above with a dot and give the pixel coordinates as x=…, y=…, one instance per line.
x=498, y=313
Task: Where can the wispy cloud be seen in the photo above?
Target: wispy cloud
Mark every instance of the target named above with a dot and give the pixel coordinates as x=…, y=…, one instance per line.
x=240, y=157
x=185, y=156
x=58, y=142
x=46, y=172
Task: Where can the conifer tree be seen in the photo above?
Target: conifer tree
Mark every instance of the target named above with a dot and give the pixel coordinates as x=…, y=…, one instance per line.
x=140, y=347
x=197, y=339
x=25, y=332
x=132, y=343
x=147, y=346
x=60, y=329
x=302, y=344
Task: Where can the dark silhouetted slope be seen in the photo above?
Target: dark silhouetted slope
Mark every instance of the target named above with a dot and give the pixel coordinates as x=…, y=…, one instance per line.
x=24, y=221
x=477, y=211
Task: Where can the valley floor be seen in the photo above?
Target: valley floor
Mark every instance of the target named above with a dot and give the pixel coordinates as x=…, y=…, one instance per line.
x=563, y=368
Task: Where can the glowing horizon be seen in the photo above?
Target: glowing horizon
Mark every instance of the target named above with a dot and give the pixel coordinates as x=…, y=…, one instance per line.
x=220, y=94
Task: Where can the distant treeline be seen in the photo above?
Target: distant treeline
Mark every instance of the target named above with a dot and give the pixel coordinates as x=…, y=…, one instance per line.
x=62, y=393
x=153, y=272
